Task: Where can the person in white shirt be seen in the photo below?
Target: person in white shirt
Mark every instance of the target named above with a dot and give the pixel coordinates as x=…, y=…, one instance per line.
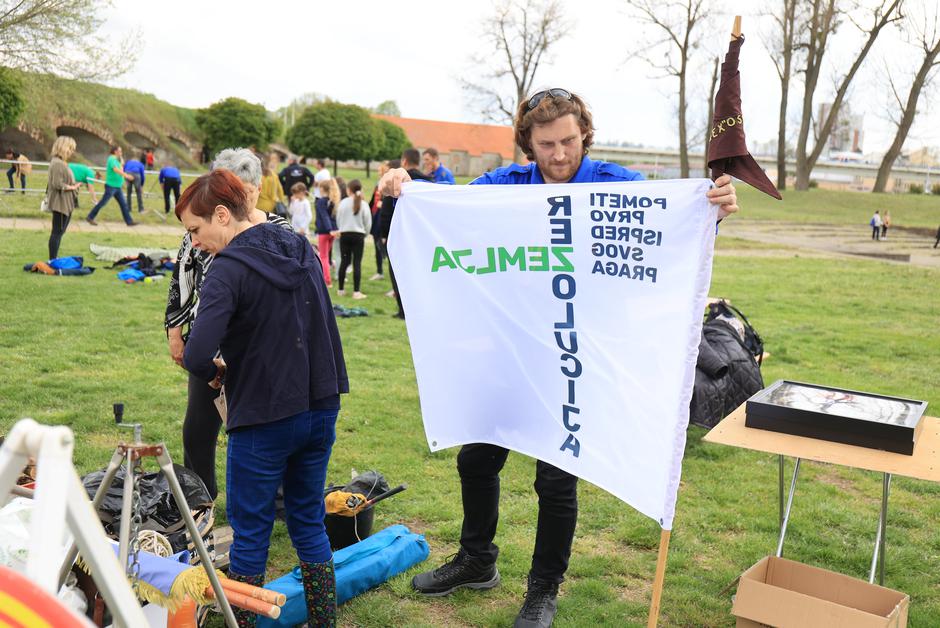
x=322, y=175
x=300, y=213
x=354, y=220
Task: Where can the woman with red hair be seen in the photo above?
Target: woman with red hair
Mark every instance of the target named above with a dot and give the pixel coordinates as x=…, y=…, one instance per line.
x=265, y=306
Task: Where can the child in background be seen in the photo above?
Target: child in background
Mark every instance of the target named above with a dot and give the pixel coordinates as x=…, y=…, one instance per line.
x=354, y=219
x=300, y=214
x=326, y=224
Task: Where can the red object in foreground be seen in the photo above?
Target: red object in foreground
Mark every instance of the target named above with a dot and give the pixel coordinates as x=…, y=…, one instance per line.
x=24, y=604
x=727, y=149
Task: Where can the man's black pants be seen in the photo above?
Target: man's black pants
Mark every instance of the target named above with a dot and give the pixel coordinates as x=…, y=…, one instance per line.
x=479, y=466
x=201, y=432
x=168, y=186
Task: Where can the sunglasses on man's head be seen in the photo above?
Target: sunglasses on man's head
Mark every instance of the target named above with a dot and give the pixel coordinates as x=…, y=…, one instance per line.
x=555, y=92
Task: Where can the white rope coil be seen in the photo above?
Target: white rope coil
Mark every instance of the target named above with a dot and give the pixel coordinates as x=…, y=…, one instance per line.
x=155, y=543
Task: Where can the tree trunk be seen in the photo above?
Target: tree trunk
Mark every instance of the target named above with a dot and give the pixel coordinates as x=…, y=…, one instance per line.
x=907, y=119
x=782, y=136
x=683, y=139
x=335, y=167
x=368, y=163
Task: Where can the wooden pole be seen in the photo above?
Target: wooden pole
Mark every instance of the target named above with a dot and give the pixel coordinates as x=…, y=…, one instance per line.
x=736, y=29
x=660, y=577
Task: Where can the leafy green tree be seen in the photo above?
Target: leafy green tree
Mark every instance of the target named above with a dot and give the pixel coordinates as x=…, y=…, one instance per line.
x=395, y=140
x=236, y=122
x=11, y=100
x=335, y=131
x=387, y=108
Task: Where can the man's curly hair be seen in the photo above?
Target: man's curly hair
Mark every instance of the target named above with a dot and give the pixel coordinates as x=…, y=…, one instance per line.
x=550, y=109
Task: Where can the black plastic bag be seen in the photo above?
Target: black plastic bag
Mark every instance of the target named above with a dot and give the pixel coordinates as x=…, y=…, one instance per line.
x=158, y=509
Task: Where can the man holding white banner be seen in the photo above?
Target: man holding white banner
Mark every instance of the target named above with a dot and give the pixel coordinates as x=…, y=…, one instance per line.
x=627, y=246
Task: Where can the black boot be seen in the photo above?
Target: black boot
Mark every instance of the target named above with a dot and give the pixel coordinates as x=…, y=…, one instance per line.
x=320, y=593
x=540, y=605
x=461, y=571
x=245, y=618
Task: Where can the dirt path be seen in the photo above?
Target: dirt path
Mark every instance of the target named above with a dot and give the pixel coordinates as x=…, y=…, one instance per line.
x=78, y=225
x=901, y=246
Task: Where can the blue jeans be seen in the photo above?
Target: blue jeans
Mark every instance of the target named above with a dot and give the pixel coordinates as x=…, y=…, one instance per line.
x=294, y=451
x=108, y=193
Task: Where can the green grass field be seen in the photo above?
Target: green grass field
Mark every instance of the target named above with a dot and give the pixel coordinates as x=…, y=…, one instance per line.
x=73, y=346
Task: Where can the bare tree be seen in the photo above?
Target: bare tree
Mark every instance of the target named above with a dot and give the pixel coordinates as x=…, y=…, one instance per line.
x=675, y=22
x=782, y=45
x=521, y=32
x=61, y=37
x=823, y=18
x=929, y=42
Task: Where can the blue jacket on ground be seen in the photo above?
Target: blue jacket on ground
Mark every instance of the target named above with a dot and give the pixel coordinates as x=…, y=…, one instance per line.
x=133, y=166
x=590, y=171
x=265, y=305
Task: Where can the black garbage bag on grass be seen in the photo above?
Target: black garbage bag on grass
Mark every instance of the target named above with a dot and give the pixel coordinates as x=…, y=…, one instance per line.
x=158, y=509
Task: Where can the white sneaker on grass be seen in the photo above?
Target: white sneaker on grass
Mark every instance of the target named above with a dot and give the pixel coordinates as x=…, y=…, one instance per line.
x=340, y=293
x=376, y=277
x=359, y=295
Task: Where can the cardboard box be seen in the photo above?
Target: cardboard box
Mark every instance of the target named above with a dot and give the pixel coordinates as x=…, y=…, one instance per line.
x=783, y=593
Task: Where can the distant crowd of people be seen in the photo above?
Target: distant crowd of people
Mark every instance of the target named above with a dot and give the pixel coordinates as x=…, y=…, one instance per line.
x=66, y=178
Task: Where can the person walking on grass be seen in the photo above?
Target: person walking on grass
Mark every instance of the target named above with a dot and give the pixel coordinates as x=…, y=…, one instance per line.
x=354, y=221
x=114, y=179
x=376, y=207
x=885, y=223
x=300, y=214
x=135, y=168
x=85, y=175
x=875, y=224
x=170, y=183
x=326, y=224
x=61, y=191
x=265, y=307
x=554, y=129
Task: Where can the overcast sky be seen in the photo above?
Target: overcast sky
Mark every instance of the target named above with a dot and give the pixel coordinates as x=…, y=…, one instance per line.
x=195, y=53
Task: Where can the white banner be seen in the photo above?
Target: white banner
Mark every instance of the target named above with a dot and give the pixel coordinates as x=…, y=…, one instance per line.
x=561, y=321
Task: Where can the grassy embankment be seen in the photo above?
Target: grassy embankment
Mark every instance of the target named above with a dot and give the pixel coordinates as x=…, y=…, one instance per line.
x=72, y=346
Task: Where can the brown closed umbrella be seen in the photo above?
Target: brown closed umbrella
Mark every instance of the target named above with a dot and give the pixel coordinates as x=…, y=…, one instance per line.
x=727, y=149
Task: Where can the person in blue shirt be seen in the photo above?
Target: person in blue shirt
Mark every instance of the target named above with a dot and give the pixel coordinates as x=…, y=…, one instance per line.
x=431, y=160
x=135, y=168
x=170, y=182
x=554, y=129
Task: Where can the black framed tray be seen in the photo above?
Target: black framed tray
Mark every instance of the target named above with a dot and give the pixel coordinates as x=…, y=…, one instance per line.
x=836, y=414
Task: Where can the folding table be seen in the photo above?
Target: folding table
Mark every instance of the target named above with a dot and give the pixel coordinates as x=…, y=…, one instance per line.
x=924, y=464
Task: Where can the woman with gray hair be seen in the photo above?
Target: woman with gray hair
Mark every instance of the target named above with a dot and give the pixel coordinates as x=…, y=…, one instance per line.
x=202, y=421
x=61, y=191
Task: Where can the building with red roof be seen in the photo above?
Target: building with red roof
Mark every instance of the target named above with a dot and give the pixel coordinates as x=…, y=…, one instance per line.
x=467, y=149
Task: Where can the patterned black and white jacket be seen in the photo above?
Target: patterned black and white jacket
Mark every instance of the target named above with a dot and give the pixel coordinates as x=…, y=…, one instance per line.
x=192, y=264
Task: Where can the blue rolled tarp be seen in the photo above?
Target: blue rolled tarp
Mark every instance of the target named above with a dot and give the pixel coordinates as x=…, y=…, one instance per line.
x=359, y=567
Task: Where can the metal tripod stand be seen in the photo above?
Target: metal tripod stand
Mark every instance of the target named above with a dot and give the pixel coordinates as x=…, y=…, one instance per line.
x=131, y=455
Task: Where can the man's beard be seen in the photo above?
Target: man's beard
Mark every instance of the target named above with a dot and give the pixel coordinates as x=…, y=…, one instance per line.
x=559, y=172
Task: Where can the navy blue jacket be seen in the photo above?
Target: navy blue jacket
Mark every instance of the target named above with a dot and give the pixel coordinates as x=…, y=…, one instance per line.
x=324, y=222
x=265, y=305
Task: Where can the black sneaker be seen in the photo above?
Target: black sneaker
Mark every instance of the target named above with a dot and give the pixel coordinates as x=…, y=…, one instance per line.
x=461, y=571
x=540, y=605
